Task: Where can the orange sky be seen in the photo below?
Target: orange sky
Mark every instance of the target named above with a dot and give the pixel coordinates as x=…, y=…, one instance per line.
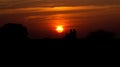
x=42, y=16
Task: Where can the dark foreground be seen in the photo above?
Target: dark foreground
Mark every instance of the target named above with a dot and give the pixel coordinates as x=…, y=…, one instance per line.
x=99, y=48
x=58, y=52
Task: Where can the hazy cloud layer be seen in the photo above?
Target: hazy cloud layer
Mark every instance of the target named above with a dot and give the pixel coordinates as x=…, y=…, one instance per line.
x=48, y=3
x=84, y=15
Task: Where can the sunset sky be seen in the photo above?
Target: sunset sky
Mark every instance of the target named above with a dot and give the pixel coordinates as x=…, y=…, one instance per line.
x=42, y=16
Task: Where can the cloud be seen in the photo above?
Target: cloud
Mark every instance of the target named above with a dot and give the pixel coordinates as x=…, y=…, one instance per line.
x=56, y=9
x=8, y=4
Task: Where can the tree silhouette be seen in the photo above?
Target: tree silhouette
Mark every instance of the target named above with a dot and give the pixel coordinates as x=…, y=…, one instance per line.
x=101, y=35
x=71, y=35
x=13, y=33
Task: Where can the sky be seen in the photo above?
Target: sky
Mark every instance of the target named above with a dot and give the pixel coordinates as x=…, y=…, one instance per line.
x=42, y=16
x=8, y=4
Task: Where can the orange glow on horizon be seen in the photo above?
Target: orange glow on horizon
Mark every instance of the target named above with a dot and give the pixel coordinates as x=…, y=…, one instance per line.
x=60, y=29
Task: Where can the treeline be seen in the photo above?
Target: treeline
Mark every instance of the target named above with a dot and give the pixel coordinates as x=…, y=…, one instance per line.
x=16, y=35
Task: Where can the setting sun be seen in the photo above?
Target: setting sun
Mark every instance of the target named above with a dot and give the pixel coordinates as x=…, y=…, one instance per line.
x=59, y=29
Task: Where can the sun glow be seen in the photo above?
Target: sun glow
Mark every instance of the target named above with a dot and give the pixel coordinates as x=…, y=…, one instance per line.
x=59, y=29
